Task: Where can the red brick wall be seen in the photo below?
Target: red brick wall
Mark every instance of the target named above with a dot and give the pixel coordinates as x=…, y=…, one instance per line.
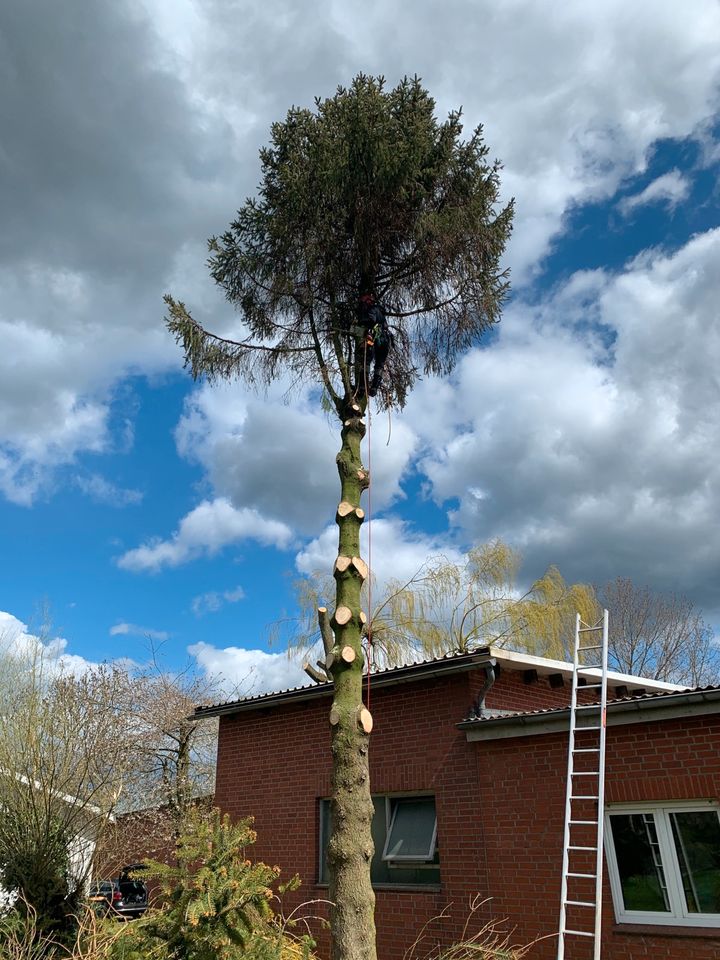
x=669, y=760
x=500, y=804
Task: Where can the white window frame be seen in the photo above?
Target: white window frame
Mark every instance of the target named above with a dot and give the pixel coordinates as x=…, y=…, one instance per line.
x=391, y=807
x=678, y=915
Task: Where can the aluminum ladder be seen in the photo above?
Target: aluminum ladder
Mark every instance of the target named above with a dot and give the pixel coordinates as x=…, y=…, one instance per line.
x=581, y=889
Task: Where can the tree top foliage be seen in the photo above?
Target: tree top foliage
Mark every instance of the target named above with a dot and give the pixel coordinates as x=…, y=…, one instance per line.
x=368, y=192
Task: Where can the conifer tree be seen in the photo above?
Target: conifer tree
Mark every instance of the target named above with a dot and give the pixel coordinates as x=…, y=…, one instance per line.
x=368, y=193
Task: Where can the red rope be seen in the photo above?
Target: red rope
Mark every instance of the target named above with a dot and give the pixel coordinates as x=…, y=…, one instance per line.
x=369, y=655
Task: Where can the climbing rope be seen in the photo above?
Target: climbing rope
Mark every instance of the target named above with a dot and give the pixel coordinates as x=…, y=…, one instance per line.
x=369, y=649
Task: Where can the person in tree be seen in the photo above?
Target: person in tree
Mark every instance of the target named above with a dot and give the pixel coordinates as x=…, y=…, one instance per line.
x=378, y=338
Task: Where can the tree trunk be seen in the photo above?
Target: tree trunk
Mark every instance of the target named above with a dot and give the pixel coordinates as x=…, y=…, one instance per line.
x=350, y=850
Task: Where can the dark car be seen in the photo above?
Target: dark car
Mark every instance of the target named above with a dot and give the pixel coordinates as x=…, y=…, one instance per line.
x=126, y=896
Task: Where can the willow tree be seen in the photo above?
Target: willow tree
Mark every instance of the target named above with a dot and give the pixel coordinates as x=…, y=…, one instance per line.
x=460, y=605
x=367, y=193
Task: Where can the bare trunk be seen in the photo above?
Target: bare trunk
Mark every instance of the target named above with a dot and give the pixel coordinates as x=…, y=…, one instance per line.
x=350, y=850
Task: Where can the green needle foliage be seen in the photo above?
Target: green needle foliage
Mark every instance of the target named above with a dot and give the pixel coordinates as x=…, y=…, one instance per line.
x=217, y=903
x=369, y=191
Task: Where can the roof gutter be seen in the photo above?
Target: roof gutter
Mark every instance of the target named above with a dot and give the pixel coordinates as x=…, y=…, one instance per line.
x=619, y=713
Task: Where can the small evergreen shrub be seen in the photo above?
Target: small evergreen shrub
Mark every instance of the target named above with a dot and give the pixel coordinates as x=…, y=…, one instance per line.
x=216, y=904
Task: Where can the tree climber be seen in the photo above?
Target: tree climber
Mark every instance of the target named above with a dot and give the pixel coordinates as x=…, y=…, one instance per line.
x=378, y=338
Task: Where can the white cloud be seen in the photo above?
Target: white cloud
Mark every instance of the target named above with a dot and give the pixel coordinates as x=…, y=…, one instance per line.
x=104, y=491
x=573, y=105
x=213, y=600
x=671, y=188
x=132, y=629
x=211, y=526
x=248, y=672
x=38, y=650
x=588, y=433
x=279, y=459
x=398, y=551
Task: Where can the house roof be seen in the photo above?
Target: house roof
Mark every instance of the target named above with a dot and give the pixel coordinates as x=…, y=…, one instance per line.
x=390, y=676
x=439, y=666
x=640, y=708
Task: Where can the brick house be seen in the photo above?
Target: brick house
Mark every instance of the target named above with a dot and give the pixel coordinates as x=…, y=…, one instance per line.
x=468, y=765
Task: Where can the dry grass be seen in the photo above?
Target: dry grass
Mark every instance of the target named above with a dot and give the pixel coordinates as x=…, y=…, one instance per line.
x=490, y=941
x=21, y=940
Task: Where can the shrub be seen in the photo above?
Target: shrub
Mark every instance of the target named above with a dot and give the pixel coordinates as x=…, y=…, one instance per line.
x=216, y=903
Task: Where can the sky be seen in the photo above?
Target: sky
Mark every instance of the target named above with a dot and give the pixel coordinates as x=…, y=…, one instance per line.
x=139, y=509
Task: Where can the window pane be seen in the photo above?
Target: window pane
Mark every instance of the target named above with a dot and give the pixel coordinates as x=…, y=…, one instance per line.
x=638, y=857
x=412, y=831
x=697, y=842
x=381, y=872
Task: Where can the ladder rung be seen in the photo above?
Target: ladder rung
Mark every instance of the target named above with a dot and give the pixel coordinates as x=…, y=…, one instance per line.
x=588, y=686
x=589, y=629
x=586, y=749
x=571, y=847
x=588, y=728
x=586, y=822
x=579, y=903
x=580, y=933
x=585, y=876
x=583, y=773
x=583, y=797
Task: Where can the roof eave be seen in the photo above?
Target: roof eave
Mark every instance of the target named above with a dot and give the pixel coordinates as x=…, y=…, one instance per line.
x=411, y=673
x=619, y=713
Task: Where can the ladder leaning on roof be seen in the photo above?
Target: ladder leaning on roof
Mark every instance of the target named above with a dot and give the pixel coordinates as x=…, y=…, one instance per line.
x=585, y=793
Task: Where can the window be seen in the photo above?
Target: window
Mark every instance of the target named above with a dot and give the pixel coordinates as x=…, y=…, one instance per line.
x=664, y=863
x=404, y=831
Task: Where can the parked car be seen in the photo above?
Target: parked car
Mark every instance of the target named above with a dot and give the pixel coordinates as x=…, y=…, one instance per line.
x=126, y=896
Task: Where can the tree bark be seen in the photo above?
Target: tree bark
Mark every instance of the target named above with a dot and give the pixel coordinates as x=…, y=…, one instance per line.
x=350, y=850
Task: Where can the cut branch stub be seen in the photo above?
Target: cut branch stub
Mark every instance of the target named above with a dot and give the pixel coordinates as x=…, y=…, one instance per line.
x=360, y=566
x=314, y=674
x=342, y=563
x=334, y=717
x=359, y=513
x=325, y=631
x=347, y=654
x=345, y=509
x=343, y=615
x=363, y=617
x=365, y=719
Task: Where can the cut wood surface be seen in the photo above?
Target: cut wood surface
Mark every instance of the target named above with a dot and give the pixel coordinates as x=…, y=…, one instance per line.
x=334, y=716
x=360, y=566
x=342, y=563
x=348, y=654
x=365, y=719
x=343, y=615
x=345, y=508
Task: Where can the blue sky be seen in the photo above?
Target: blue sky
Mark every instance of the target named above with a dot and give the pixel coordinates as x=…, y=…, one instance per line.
x=138, y=506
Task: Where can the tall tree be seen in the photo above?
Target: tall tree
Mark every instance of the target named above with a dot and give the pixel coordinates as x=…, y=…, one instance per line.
x=661, y=636
x=367, y=194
